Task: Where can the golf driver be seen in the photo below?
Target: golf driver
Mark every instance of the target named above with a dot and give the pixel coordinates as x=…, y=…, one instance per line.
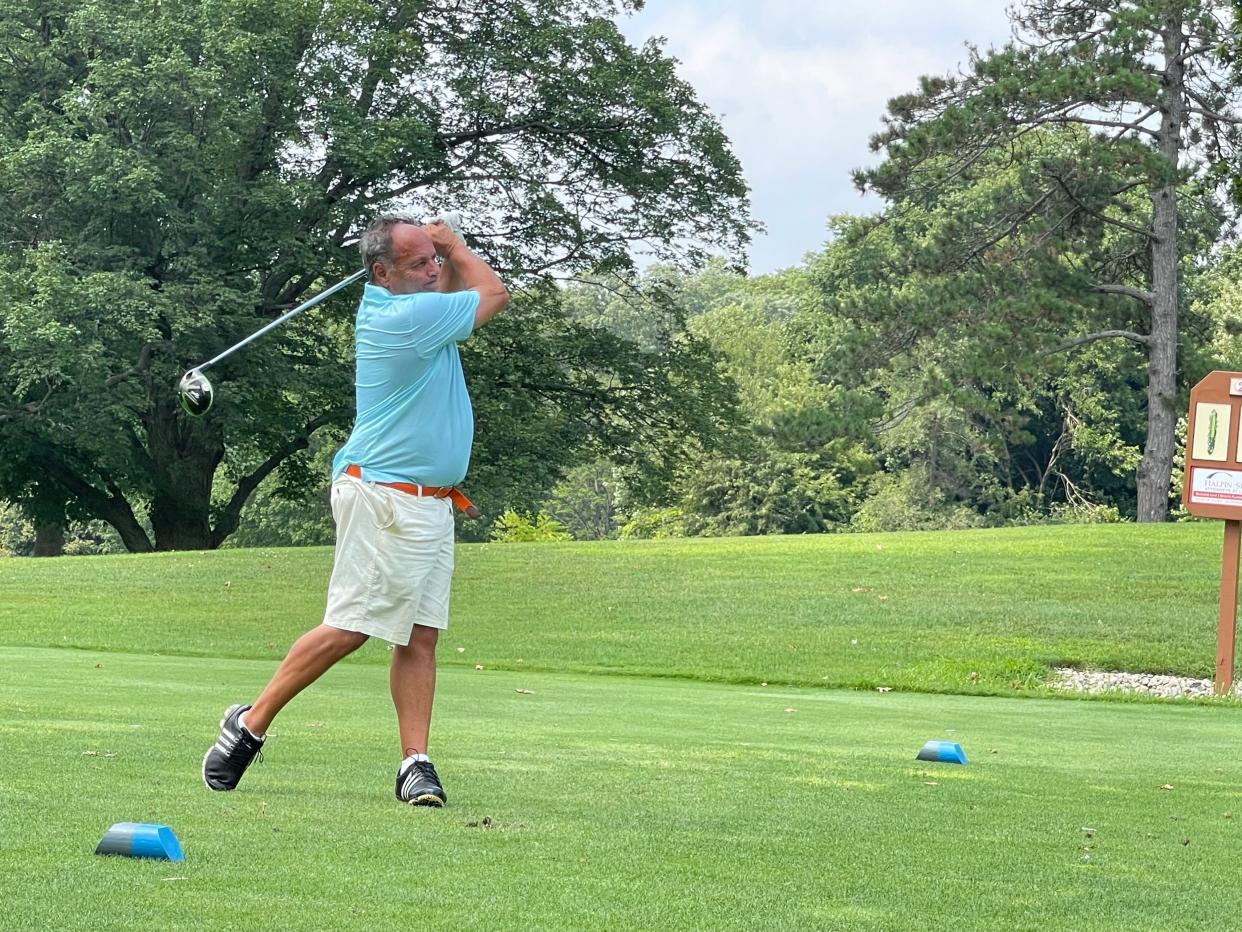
x=195, y=390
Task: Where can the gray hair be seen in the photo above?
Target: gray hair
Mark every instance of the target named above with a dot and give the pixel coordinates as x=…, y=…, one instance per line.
x=375, y=244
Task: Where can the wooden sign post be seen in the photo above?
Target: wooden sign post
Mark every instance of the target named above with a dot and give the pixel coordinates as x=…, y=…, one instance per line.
x=1212, y=488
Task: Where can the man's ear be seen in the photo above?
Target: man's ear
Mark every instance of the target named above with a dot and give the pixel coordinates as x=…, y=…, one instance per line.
x=379, y=274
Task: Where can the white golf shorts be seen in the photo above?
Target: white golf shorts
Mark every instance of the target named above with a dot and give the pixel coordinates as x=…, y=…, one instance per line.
x=394, y=560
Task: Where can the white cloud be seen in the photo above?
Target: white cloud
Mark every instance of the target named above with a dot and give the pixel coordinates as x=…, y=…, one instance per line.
x=800, y=91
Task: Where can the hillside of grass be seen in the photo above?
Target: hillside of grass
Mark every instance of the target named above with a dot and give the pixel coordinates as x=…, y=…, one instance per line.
x=982, y=611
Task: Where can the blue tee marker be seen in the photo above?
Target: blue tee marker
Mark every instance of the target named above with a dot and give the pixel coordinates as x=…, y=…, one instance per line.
x=141, y=840
x=944, y=752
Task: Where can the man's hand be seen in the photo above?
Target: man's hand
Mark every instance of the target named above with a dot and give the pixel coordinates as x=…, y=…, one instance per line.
x=462, y=270
x=442, y=238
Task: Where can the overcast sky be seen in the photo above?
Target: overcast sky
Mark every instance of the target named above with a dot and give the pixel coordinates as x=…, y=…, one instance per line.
x=800, y=88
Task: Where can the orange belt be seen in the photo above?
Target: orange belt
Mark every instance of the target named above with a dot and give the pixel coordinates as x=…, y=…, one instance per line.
x=451, y=492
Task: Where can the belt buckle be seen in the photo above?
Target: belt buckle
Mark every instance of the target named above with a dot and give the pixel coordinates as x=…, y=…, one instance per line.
x=444, y=491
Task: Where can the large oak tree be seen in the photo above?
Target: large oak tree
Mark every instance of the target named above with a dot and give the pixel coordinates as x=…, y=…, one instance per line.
x=174, y=173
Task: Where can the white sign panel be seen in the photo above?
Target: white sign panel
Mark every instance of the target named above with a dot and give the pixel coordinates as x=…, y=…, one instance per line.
x=1216, y=486
x=1211, y=432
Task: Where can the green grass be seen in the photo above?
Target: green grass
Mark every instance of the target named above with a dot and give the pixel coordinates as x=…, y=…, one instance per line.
x=975, y=611
x=681, y=795
x=611, y=803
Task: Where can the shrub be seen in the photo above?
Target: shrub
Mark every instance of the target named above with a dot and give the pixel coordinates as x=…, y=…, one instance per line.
x=512, y=527
x=905, y=502
x=16, y=533
x=654, y=524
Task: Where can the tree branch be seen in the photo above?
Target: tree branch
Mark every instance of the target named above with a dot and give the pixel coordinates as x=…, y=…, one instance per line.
x=1216, y=116
x=1191, y=53
x=30, y=409
x=990, y=240
x=1138, y=294
x=1135, y=126
x=1104, y=218
x=143, y=364
x=230, y=515
x=509, y=129
x=111, y=508
x=901, y=414
x=1102, y=335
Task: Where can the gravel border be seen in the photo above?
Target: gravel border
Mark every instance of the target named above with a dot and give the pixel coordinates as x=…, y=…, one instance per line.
x=1148, y=684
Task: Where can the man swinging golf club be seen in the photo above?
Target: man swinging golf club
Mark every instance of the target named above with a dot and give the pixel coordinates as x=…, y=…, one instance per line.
x=393, y=489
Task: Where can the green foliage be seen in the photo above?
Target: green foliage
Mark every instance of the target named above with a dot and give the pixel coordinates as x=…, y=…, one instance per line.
x=959, y=359
x=173, y=176
x=16, y=531
x=585, y=502
x=1217, y=307
x=1066, y=513
x=552, y=392
x=653, y=523
x=81, y=538
x=92, y=538
x=908, y=501
x=778, y=493
x=795, y=466
x=290, y=508
x=272, y=519
x=514, y=528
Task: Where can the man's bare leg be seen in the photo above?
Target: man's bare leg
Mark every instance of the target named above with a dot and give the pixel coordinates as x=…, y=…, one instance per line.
x=413, y=681
x=310, y=657
x=243, y=729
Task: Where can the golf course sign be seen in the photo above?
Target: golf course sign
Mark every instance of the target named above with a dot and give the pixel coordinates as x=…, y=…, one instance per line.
x=1212, y=488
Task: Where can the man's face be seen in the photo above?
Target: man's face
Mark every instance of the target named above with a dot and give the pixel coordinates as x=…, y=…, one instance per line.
x=413, y=267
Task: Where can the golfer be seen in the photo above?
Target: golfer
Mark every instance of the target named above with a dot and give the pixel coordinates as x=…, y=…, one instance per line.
x=393, y=488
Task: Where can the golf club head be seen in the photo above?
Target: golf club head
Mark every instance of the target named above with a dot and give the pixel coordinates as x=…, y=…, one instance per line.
x=196, y=393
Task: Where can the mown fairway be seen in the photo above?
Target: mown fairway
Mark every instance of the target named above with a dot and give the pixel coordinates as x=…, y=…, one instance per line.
x=580, y=799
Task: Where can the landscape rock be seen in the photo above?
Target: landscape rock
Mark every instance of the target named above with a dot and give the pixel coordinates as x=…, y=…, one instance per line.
x=1165, y=687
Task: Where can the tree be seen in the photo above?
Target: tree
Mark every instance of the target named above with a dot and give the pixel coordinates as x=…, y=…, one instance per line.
x=1149, y=81
x=792, y=463
x=954, y=359
x=580, y=393
x=585, y=502
x=802, y=467
x=174, y=175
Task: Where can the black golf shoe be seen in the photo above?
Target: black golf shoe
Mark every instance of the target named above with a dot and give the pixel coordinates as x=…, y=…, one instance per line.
x=232, y=753
x=419, y=785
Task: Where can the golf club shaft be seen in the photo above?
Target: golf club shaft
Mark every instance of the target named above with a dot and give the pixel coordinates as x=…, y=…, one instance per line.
x=305, y=305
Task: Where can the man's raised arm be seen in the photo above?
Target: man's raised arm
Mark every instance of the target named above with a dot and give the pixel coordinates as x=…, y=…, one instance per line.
x=464, y=271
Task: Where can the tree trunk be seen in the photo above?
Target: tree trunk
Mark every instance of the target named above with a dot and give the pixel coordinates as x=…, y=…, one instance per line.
x=184, y=456
x=1156, y=467
x=49, y=539
x=45, y=508
x=181, y=522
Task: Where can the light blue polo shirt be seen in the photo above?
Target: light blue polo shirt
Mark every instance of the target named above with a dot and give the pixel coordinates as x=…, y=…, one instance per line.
x=414, y=420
